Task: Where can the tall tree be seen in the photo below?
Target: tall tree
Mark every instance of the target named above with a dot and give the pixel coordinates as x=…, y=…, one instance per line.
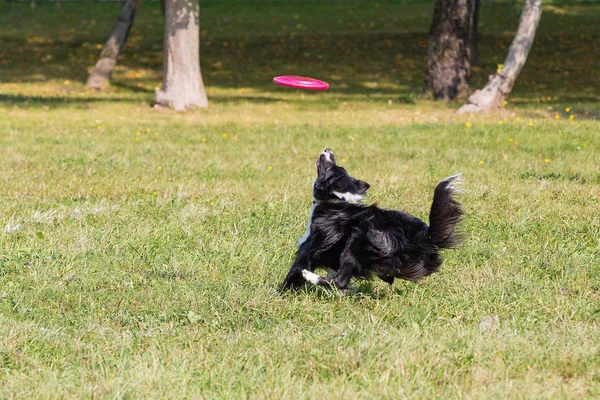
x=448, y=71
x=113, y=46
x=500, y=84
x=182, y=86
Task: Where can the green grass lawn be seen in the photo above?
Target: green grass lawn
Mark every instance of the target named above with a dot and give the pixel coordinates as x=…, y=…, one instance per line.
x=141, y=249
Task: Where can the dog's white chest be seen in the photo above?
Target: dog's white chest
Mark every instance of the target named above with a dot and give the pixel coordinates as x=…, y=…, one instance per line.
x=307, y=232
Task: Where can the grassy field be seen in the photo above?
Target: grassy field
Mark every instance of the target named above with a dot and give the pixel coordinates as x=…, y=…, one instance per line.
x=141, y=250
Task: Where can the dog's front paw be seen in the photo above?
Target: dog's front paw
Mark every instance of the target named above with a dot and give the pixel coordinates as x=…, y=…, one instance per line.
x=314, y=278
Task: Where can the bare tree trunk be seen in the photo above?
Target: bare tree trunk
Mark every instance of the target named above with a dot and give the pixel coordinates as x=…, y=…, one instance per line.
x=182, y=81
x=500, y=84
x=449, y=61
x=475, y=60
x=108, y=57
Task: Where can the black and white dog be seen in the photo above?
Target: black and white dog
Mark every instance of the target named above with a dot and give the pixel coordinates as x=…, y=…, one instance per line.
x=359, y=241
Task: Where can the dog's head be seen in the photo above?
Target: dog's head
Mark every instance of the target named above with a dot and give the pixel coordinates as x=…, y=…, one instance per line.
x=333, y=182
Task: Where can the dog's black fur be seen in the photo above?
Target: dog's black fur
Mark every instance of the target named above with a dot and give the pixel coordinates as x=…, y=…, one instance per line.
x=358, y=241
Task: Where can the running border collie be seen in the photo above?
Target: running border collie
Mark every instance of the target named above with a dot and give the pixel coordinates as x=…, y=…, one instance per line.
x=357, y=241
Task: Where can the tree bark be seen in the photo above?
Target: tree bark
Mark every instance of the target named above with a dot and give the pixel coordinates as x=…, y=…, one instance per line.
x=475, y=59
x=182, y=81
x=113, y=46
x=448, y=71
x=500, y=84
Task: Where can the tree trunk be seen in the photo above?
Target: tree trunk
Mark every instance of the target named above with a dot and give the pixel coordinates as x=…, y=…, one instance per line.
x=475, y=60
x=108, y=57
x=182, y=81
x=449, y=55
x=500, y=84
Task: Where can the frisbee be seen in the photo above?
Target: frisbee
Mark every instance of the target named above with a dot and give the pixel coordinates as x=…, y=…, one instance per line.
x=301, y=82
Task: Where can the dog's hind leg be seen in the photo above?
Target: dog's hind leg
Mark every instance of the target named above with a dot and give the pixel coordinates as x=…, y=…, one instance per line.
x=349, y=265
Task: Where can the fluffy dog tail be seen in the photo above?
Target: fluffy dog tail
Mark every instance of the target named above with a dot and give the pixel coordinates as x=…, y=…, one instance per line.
x=446, y=213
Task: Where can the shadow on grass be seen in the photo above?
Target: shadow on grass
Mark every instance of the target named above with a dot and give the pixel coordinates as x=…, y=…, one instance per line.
x=86, y=101
x=49, y=101
x=130, y=87
x=363, y=289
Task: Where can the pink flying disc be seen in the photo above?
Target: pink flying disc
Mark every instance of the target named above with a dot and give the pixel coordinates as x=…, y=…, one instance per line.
x=301, y=82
